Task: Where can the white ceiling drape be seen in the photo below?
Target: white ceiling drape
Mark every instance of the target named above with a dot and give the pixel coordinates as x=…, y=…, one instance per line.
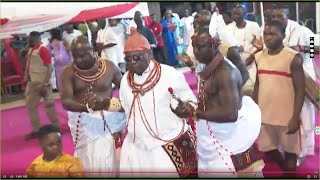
x=34, y=16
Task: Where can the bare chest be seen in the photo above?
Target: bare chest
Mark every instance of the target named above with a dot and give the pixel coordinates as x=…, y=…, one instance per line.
x=208, y=95
x=101, y=87
x=210, y=87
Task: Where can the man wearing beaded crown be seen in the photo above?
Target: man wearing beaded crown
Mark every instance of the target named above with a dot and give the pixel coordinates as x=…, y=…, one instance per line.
x=86, y=94
x=158, y=138
x=228, y=123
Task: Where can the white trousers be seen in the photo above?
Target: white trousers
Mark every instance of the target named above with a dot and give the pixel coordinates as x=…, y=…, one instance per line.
x=307, y=128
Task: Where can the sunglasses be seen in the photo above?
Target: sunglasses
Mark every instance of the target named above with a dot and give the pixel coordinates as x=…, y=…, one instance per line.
x=135, y=58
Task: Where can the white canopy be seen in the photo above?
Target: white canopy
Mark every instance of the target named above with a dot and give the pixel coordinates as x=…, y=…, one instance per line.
x=27, y=17
x=20, y=9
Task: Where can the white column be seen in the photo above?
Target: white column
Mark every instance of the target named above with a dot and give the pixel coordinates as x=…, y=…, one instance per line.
x=318, y=17
x=254, y=9
x=297, y=12
x=261, y=11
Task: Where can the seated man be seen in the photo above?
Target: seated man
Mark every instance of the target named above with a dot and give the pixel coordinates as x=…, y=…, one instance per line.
x=53, y=159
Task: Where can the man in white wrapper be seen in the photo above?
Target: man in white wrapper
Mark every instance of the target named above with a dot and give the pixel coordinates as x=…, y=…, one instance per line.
x=228, y=123
x=87, y=95
x=159, y=142
x=298, y=38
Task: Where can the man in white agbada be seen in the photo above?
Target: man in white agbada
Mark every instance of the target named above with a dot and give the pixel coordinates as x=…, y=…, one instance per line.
x=70, y=33
x=86, y=95
x=298, y=37
x=120, y=30
x=228, y=123
x=109, y=43
x=157, y=140
x=217, y=22
x=187, y=20
x=245, y=32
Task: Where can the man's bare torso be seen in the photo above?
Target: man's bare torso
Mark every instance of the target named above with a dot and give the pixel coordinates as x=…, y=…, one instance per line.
x=101, y=88
x=213, y=83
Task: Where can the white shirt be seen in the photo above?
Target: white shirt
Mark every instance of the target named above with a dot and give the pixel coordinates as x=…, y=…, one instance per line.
x=70, y=37
x=113, y=54
x=120, y=31
x=307, y=34
x=216, y=22
x=299, y=35
x=293, y=33
x=130, y=23
x=187, y=33
x=169, y=125
x=245, y=36
x=125, y=24
x=217, y=25
x=304, y=40
x=45, y=38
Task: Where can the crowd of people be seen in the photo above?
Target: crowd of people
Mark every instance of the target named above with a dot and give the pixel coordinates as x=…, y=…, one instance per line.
x=236, y=118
